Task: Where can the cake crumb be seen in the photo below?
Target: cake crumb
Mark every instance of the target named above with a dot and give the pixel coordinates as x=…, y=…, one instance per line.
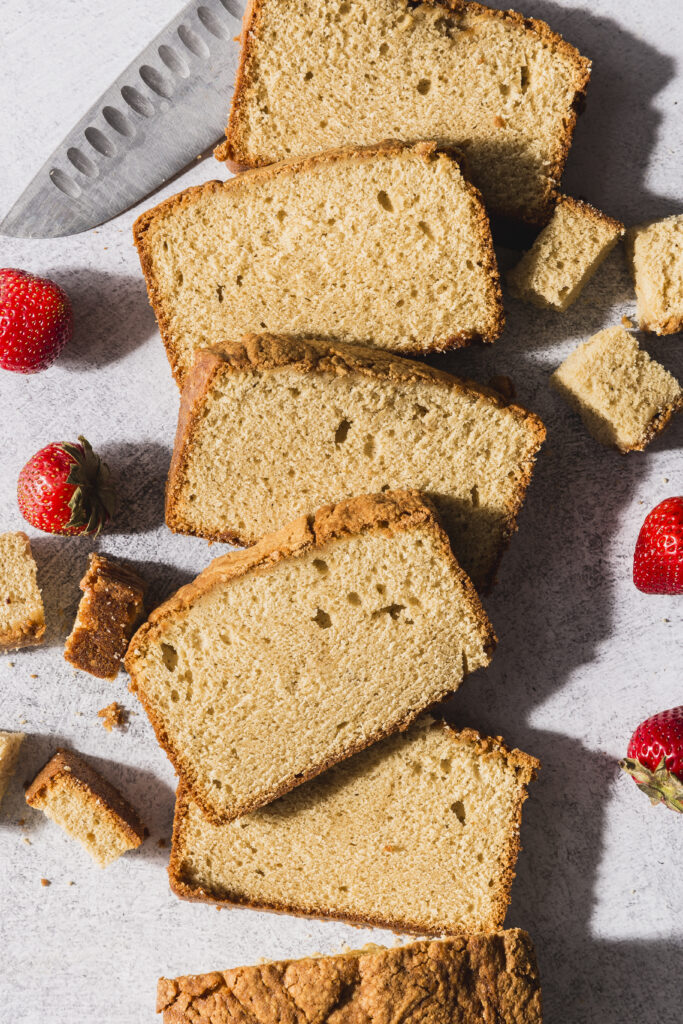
x=27, y=840
x=626, y=322
x=113, y=716
x=33, y=675
x=45, y=882
x=161, y=843
x=22, y=821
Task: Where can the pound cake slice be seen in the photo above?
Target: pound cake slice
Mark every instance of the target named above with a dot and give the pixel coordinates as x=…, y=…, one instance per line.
x=280, y=660
x=109, y=611
x=270, y=427
x=22, y=618
x=76, y=797
x=387, y=245
x=624, y=397
x=10, y=745
x=564, y=257
x=655, y=253
x=468, y=978
x=503, y=88
x=419, y=833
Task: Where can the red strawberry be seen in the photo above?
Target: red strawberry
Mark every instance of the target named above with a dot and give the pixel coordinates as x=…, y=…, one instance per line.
x=658, y=558
x=65, y=488
x=36, y=321
x=655, y=758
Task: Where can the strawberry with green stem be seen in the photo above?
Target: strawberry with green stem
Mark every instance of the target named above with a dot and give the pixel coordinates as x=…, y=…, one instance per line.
x=66, y=488
x=655, y=758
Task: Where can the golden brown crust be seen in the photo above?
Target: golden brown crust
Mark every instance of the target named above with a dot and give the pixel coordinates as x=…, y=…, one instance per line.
x=487, y=747
x=468, y=978
x=262, y=353
x=238, y=160
x=427, y=151
x=585, y=209
x=70, y=769
x=109, y=611
x=391, y=512
x=28, y=633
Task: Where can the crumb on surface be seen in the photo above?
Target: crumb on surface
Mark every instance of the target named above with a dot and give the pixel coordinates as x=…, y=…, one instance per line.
x=45, y=882
x=161, y=843
x=33, y=675
x=113, y=716
x=626, y=322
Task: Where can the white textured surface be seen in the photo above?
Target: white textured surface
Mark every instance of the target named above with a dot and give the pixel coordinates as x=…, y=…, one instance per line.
x=583, y=657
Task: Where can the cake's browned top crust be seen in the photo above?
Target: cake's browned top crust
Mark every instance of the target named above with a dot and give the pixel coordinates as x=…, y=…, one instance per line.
x=470, y=979
x=67, y=768
x=109, y=611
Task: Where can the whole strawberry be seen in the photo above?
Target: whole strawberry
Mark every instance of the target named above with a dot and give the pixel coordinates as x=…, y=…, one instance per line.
x=658, y=558
x=66, y=488
x=36, y=321
x=655, y=758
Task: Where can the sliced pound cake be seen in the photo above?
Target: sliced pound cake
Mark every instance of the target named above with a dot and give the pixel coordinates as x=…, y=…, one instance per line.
x=419, y=833
x=10, y=745
x=279, y=661
x=655, y=253
x=623, y=396
x=76, y=797
x=387, y=245
x=271, y=427
x=22, y=618
x=564, y=257
x=504, y=88
x=468, y=978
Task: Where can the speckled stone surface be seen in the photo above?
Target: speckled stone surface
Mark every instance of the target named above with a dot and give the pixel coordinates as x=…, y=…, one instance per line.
x=582, y=658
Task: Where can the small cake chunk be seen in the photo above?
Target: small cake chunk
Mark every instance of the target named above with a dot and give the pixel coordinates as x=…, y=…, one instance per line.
x=113, y=716
x=110, y=609
x=10, y=744
x=564, y=257
x=655, y=253
x=623, y=396
x=22, y=618
x=87, y=807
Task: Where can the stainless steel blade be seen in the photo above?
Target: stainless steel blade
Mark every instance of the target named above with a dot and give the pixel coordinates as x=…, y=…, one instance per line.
x=166, y=108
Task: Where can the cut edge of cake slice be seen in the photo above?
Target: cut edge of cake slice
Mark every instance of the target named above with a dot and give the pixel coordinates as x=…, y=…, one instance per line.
x=28, y=630
x=387, y=514
x=524, y=766
x=260, y=354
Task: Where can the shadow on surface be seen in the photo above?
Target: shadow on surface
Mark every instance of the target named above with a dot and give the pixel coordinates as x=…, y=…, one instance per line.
x=139, y=470
x=112, y=316
x=616, y=134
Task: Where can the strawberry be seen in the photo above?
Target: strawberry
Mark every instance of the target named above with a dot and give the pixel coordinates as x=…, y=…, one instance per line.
x=65, y=488
x=658, y=558
x=655, y=758
x=36, y=321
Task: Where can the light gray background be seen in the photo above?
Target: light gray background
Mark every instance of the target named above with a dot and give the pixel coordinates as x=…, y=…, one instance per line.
x=582, y=657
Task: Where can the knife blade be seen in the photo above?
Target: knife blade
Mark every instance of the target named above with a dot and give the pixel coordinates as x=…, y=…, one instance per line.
x=168, y=106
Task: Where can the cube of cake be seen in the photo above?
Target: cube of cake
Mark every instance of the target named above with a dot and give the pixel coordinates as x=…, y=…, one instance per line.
x=70, y=792
x=10, y=744
x=110, y=609
x=655, y=253
x=22, y=618
x=623, y=396
x=564, y=257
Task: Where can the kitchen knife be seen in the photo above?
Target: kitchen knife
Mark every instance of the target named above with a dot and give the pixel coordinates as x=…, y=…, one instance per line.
x=167, y=107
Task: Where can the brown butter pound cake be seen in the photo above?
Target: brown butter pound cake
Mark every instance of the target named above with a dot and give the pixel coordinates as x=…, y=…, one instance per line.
x=623, y=396
x=280, y=660
x=503, y=88
x=387, y=245
x=419, y=833
x=22, y=618
x=270, y=427
x=655, y=253
x=76, y=797
x=10, y=745
x=109, y=611
x=564, y=257
x=468, y=978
